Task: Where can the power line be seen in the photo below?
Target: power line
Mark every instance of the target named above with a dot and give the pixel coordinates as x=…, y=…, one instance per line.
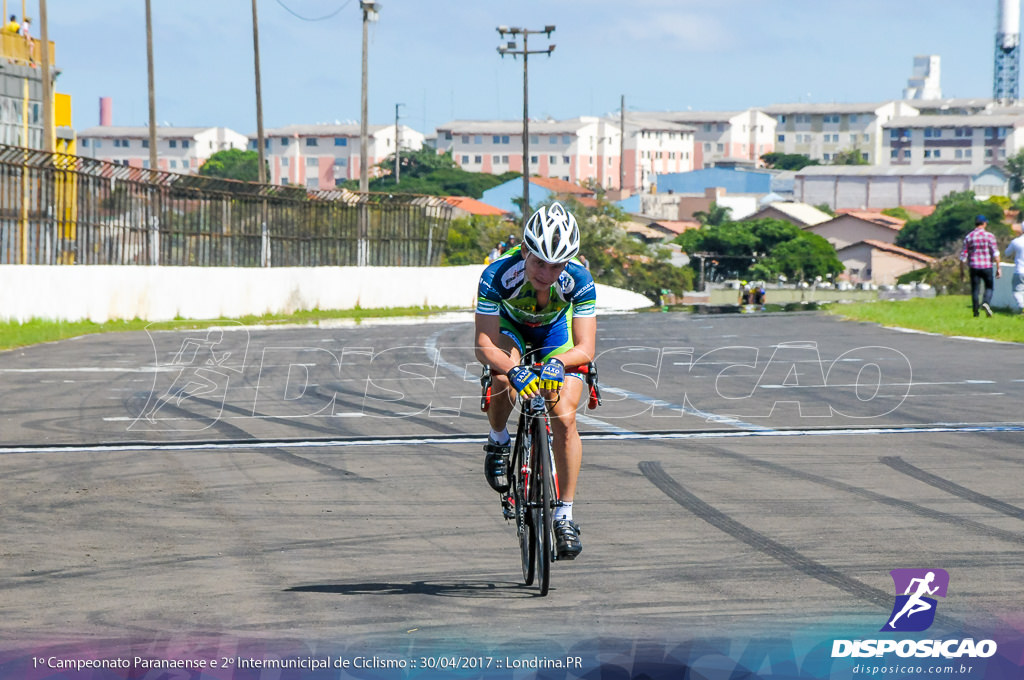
x=326, y=16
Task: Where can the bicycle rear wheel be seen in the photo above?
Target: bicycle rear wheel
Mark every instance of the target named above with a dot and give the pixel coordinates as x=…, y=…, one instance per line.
x=524, y=525
x=542, y=501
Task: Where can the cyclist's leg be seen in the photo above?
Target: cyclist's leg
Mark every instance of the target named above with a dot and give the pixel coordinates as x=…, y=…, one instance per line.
x=568, y=448
x=566, y=445
x=498, y=449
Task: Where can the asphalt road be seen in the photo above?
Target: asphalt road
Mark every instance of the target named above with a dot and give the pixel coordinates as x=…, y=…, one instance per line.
x=746, y=474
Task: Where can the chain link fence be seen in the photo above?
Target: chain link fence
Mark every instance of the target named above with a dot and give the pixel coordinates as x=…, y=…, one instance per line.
x=62, y=209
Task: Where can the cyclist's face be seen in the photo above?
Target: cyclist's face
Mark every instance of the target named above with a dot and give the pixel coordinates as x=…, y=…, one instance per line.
x=540, y=273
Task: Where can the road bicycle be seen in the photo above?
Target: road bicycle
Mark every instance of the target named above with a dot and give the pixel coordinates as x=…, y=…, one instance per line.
x=533, y=491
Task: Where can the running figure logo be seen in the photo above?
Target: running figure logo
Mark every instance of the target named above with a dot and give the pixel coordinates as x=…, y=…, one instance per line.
x=914, y=610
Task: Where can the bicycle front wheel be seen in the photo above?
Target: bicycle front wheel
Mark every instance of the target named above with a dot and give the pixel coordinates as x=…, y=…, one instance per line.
x=524, y=524
x=542, y=501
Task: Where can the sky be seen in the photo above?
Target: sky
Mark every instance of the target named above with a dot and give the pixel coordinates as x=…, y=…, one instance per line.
x=439, y=59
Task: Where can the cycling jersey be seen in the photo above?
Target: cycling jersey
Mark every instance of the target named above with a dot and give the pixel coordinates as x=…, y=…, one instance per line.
x=505, y=291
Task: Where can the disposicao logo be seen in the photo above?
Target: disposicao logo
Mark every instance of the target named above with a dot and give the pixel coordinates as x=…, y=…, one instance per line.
x=916, y=589
x=913, y=611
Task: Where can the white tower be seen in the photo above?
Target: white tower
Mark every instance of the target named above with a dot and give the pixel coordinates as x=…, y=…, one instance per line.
x=924, y=82
x=1006, y=71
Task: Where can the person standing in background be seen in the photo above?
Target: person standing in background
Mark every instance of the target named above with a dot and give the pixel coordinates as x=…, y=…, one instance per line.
x=1016, y=251
x=981, y=253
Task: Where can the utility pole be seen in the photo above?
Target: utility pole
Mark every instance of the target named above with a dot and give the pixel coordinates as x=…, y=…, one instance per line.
x=398, y=148
x=49, y=133
x=152, y=88
x=370, y=9
x=259, y=95
x=622, y=145
x=510, y=47
x=370, y=13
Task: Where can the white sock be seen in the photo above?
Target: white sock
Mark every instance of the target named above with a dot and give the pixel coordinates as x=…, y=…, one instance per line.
x=563, y=511
x=500, y=437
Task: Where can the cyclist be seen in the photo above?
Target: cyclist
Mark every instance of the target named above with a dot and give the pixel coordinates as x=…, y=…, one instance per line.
x=539, y=296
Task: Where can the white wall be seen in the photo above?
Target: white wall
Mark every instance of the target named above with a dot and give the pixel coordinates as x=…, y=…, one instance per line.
x=103, y=293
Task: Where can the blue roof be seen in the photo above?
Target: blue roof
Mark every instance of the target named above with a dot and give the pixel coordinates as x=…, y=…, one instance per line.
x=501, y=196
x=631, y=204
x=732, y=180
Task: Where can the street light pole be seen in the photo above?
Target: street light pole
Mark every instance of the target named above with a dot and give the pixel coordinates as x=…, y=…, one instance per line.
x=510, y=47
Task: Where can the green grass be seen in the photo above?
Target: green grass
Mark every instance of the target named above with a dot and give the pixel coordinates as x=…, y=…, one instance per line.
x=945, y=314
x=14, y=334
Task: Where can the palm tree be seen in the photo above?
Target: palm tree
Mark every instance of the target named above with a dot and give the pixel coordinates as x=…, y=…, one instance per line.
x=715, y=216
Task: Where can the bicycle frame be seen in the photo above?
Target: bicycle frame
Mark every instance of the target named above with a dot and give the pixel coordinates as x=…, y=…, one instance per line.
x=534, y=476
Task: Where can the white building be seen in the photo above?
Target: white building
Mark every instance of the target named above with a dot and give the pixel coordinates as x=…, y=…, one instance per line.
x=941, y=139
x=576, y=150
x=724, y=137
x=653, y=147
x=323, y=156
x=870, y=187
x=820, y=131
x=179, y=149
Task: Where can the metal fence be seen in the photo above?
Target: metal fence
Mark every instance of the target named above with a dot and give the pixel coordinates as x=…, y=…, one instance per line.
x=61, y=209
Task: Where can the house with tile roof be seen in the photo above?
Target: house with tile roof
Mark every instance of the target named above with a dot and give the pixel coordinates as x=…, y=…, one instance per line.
x=800, y=214
x=854, y=226
x=879, y=262
x=464, y=205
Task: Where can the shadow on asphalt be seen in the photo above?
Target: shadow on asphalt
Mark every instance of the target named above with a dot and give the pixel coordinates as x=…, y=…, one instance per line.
x=478, y=589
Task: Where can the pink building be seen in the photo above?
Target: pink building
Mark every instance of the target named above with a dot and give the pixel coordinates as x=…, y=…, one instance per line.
x=322, y=156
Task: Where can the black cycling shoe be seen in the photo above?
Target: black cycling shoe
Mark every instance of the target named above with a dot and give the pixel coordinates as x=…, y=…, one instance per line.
x=496, y=465
x=567, y=539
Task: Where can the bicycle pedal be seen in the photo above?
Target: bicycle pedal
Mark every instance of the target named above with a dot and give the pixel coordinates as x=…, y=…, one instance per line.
x=508, y=508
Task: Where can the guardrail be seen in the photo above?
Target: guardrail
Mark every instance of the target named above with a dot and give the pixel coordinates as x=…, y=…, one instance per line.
x=62, y=209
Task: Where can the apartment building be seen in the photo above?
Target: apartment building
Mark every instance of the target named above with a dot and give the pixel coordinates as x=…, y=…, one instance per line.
x=820, y=131
x=322, y=156
x=179, y=149
x=651, y=147
x=989, y=137
x=576, y=150
x=724, y=138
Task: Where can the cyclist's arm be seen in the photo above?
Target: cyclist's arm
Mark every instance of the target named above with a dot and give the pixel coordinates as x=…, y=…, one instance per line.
x=584, y=341
x=488, y=330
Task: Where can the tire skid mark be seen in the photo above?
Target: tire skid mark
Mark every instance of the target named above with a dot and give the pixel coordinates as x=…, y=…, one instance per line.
x=788, y=556
x=950, y=487
x=907, y=506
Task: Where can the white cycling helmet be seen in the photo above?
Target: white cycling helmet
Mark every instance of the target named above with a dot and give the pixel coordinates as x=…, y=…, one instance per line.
x=552, y=234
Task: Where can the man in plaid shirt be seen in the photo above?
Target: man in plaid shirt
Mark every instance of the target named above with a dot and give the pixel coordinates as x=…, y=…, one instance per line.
x=981, y=253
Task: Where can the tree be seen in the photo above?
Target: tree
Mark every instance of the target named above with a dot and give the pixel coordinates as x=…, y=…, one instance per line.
x=786, y=161
x=942, y=232
x=761, y=249
x=233, y=164
x=715, y=215
x=425, y=171
x=1015, y=168
x=849, y=157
